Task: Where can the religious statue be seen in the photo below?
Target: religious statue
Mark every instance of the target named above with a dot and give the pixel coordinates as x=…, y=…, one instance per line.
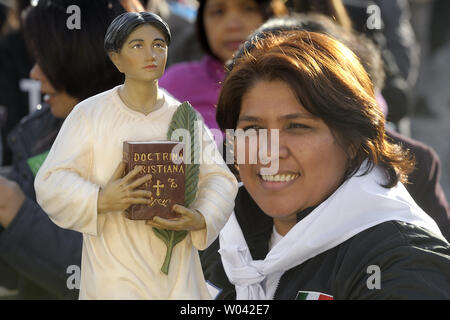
x=83, y=184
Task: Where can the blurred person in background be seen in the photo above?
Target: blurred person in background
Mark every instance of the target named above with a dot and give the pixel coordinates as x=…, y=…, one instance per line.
x=222, y=26
x=15, y=63
x=185, y=46
x=8, y=20
x=334, y=9
x=387, y=22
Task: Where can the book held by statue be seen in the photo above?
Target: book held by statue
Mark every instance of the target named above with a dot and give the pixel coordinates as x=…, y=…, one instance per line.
x=164, y=161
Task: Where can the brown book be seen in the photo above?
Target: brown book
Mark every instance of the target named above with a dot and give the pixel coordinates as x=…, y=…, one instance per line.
x=168, y=182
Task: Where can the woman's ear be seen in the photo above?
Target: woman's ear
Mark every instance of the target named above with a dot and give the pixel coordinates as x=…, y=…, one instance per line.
x=350, y=147
x=114, y=56
x=352, y=150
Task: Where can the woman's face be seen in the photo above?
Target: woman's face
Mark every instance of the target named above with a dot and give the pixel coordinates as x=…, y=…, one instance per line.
x=228, y=23
x=311, y=161
x=143, y=56
x=61, y=103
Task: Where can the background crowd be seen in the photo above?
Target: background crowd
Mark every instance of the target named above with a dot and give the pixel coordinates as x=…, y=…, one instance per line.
x=46, y=69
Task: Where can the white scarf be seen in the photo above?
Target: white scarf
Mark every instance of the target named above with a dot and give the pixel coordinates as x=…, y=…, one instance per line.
x=358, y=204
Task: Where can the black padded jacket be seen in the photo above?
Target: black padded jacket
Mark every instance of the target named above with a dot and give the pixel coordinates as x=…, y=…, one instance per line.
x=393, y=260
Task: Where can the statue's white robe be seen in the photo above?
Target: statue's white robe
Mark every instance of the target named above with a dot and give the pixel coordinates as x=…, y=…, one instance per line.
x=121, y=258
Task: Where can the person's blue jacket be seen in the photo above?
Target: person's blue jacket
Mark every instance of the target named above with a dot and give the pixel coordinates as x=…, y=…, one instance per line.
x=36, y=252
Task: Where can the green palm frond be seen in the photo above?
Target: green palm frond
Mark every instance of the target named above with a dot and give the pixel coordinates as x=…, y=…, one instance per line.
x=184, y=117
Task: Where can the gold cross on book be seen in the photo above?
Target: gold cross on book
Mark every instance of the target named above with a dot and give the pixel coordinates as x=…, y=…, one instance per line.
x=158, y=186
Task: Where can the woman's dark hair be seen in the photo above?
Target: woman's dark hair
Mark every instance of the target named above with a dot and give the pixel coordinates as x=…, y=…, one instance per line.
x=123, y=26
x=73, y=58
x=264, y=5
x=330, y=83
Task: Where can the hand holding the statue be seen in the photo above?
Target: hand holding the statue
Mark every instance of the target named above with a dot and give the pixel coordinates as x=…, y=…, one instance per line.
x=189, y=220
x=119, y=193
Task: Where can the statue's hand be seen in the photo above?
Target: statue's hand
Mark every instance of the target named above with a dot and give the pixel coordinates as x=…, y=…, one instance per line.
x=120, y=192
x=189, y=220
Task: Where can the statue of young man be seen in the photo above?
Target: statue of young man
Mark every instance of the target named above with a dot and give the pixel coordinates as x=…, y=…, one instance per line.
x=82, y=185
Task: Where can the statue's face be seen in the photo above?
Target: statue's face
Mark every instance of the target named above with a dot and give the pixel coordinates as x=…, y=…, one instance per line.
x=143, y=55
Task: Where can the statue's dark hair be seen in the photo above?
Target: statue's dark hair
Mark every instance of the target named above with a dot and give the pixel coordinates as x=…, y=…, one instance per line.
x=123, y=26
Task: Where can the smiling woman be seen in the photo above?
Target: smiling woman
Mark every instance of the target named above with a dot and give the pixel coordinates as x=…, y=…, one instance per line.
x=271, y=89
x=305, y=140
x=337, y=205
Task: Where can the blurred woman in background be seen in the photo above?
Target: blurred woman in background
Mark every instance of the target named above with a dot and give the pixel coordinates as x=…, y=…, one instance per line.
x=222, y=26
